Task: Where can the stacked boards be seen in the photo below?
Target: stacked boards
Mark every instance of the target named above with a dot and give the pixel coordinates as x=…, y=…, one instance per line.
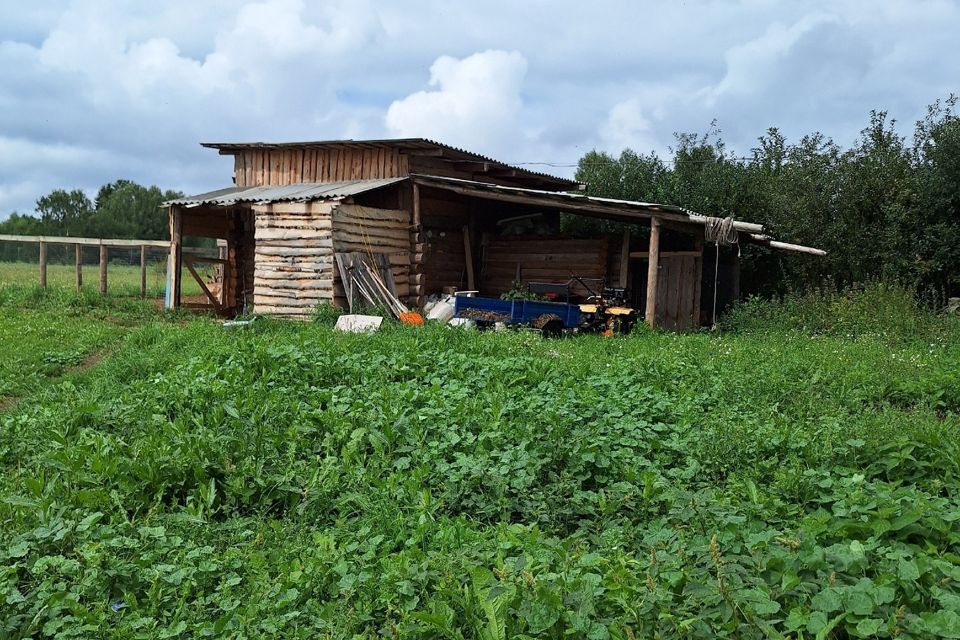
x=369, y=230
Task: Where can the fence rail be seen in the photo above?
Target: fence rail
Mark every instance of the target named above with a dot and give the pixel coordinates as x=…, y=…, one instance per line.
x=105, y=244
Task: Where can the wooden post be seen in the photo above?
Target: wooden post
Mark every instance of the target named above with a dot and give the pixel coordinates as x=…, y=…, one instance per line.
x=416, y=242
x=78, y=251
x=653, y=272
x=175, y=260
x=43, y=264
x=468, y=255
x=143, y=271
x=103, y=269
x=625, y=258
x=416, y=206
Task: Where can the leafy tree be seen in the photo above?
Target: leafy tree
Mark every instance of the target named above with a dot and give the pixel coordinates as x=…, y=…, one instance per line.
x=65, y=212
x=883, y=209
x=128, y=210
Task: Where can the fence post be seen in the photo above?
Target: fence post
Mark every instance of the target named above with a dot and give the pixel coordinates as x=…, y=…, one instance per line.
x=143, y=271
x=78, y=249
x=103, y=269
x=43, y=264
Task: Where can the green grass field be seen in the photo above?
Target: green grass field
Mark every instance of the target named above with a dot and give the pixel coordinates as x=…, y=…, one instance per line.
x=797, y=475
x=122, y=279
x=42, y=344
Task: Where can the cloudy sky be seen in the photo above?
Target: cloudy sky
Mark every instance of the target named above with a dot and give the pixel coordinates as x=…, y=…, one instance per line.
x=95, y=90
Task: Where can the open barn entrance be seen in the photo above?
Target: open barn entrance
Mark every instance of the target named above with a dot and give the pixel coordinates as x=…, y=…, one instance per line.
x=225, y=281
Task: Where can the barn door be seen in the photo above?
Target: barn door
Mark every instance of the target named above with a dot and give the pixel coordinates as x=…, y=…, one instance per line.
x=678, y=289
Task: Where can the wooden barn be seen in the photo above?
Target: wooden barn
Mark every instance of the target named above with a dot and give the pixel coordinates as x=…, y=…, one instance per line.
x=438, y=218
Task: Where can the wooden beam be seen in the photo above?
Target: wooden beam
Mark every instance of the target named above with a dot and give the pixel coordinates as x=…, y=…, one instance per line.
x=96, y=242
x=43, y=264
x=416, y=291
x=103, y=269
x=416, y=206
x=665, y=254
x=625, y=257
x=203, y=285
x=767, y=241
x=468, y=256
x=78, y=251
x=653, y=273
x=175, y=260
x=143, y=271
x=582, y=204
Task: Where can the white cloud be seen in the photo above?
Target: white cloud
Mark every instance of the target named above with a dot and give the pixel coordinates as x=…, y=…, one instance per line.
x=477, y=102
x=95, y=90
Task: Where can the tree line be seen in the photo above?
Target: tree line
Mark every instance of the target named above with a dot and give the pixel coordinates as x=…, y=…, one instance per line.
x=886, y=208
x=121, y=209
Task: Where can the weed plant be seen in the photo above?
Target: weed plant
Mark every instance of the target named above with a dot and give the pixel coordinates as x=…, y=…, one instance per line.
x=797, y=476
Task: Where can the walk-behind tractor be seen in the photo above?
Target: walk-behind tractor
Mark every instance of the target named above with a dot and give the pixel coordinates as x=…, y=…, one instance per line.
x=603, y=312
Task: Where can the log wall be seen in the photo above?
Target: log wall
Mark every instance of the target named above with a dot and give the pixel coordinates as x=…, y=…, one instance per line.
x=541, y=259
x=258, y=167
x=372, y=230
x=294, y=265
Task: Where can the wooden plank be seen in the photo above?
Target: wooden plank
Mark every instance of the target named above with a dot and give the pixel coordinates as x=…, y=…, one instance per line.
x=356, y=165
x=110, y=242
x=315, y=245
x=103, y=269
x=43, y=265
x=292, y=234
x=690, y=263
x=277, y=170
x=468, y=258
x=175, y=259
x=355, y=211
x=624, y=258
x=664, y=254
x=698, y=282
x=652, y=272
x=203, y=285
x=289, y=251
x=78, y=259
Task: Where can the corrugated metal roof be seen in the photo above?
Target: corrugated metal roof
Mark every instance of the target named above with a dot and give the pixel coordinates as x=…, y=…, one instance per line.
x=408, y=144
x=608, y=207
x=299, y=192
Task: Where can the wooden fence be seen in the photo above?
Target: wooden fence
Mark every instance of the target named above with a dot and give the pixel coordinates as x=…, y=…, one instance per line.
x=105, y=244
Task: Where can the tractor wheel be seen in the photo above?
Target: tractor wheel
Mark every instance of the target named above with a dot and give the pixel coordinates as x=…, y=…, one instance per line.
x=549, y=324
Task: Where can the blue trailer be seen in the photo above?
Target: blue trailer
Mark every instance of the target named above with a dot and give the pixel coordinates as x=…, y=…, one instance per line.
x=520, y=312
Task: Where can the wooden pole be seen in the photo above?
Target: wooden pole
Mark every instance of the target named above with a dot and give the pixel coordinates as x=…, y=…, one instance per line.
x=468, y=255
x=416, y=237
x=653, y=272
x=78, y=251
x=143, y=271
x=175, y=261
x=625, y=258
x=416, y=206
x=43, y=265
x=103, y=269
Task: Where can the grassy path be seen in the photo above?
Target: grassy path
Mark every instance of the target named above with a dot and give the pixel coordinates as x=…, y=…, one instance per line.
x=37, y=346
